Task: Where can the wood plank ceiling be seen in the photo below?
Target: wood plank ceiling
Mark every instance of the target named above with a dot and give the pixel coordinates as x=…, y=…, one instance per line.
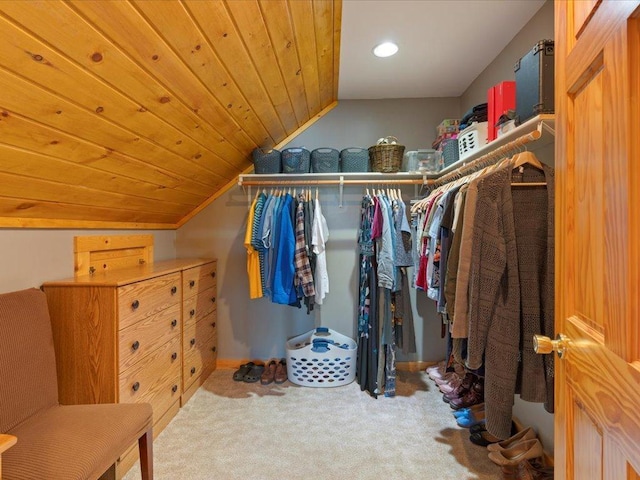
x=136, y=114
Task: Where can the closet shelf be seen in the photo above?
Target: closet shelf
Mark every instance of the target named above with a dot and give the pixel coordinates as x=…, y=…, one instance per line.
x=539, y=130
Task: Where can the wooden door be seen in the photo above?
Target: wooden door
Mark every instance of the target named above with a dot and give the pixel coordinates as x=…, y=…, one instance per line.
x=597, y=421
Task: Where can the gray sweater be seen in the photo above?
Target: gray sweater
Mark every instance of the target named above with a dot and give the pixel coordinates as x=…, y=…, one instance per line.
x=511, y=291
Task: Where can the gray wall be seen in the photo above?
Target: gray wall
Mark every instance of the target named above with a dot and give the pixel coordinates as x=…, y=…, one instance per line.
x=29, y=257
x=540, y=27
x=258, y=328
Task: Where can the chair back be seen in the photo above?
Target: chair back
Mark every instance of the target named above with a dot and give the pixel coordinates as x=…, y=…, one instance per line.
x=28, y=380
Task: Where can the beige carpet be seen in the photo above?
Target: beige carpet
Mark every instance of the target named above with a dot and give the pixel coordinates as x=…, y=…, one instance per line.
x=234, y=430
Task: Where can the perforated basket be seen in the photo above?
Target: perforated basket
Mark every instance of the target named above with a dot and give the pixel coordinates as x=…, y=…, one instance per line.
x=354, y=159
x=321, y=358
x=450, y=152
x=266, y=162
x=325, y=160
x=472, y=138
x=295, y=160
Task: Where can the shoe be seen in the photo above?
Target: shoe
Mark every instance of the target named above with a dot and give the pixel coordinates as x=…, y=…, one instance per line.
x=468, y=421
x=239, y=374
x=534, y=470
x=468, y=380
x=269, y=373
x=483, y=438
x=473, y=396
x=479, y=407
x=254, y=374
x=525, y=434
x=438, y=366
x=477, y=428
x=281, y=372
x=520, y=451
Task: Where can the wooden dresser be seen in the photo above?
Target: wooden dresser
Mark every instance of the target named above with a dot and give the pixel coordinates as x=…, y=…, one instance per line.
x=139, y=334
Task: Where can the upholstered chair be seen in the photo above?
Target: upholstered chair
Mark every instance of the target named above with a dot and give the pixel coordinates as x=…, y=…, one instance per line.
x=56, y=442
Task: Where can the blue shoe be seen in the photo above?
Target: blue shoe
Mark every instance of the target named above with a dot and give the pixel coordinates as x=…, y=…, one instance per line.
x=463, y=412
x=469, y=421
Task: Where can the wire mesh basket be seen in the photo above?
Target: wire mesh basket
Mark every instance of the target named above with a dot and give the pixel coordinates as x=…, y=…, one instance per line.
x=325, y=160
x=354, y=159
x=321, y=358
x=266, y=162
x=295, y=160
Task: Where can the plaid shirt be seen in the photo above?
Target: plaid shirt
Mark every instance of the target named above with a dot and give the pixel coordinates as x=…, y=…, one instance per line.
x=304, y=277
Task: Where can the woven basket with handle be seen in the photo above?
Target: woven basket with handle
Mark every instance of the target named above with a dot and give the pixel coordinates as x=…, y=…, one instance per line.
x=386, y=157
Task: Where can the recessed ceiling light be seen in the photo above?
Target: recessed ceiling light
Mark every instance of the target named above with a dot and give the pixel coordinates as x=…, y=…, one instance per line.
x=385, y=49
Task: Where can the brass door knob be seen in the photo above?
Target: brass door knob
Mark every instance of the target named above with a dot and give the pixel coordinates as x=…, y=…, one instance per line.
x=543, y=345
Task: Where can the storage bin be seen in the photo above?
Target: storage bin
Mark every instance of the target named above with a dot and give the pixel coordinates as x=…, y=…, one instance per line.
x=500, y=99
x=354, y=159
x=266, y=162
x=471, y=139
x=296, y=160
x=450, y=152
x=535, y=81
x=448, y=125
x=386, y=157
x=423, y=161
x=321, y=358
x=325, y=160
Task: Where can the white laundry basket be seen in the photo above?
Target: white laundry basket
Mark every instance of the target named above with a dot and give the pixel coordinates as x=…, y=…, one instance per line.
x=321, y=358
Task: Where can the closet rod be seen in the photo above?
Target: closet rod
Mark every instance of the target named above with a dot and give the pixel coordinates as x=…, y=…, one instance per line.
x=491, y=157
x=388, y=181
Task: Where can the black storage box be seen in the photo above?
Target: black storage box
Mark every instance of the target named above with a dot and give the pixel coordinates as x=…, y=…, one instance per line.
x=535, y=82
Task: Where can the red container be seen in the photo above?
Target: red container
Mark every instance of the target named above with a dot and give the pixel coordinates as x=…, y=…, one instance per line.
x=500, y=98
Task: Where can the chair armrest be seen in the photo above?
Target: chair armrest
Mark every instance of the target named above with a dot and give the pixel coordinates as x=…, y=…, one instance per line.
x=6, y=441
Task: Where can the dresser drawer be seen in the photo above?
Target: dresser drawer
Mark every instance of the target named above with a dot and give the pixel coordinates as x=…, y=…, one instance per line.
x=198, y=279
x=199, y=359
x=142, y=299
x=141, y=338
x=200, y=306
x=154, y=379
x=202, y=328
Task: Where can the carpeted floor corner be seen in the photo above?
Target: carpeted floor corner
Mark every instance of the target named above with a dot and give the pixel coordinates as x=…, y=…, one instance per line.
x=235, y=430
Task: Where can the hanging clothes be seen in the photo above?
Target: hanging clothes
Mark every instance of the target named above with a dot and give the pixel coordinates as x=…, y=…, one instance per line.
x=496, y=279
x=320, y=236
x=281, y=258
x=384, y=314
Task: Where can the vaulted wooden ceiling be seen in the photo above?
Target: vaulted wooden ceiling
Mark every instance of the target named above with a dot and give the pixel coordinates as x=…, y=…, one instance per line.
x=136, y=114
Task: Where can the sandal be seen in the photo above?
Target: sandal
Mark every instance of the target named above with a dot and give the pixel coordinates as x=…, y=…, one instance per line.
x=269, y=373
x=239, y=374
x=281, y=372
x=254, y=374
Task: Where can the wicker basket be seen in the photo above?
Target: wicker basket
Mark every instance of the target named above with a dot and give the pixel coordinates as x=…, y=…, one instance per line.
x=325, y=160
x=295, y=160
x=268, y=162
x=386, y=157
x=354, y=159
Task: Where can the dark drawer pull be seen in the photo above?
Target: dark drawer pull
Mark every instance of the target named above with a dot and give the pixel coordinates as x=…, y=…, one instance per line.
x=135, y=345
x=136, y=386
x=192, y=283
x=174, y=389
x=213, y=324
x=135, y=304
x=193, y=342
x=213, y=299
x=193, y=370
x=174, y=355
x=192, y=312
x=213, y=274
x=213, y=349
x=174, y=322
x=174, y=289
